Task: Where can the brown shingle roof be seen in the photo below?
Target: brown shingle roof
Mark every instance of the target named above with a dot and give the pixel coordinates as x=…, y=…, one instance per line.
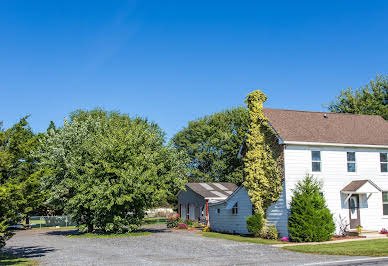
x=354, y=185
x=305, y=126
x=215, y=190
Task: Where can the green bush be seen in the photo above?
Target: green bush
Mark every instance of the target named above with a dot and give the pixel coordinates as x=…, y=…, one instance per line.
x=189, y=223
x=173, y=221
x=310, y=219
x=272, y=232
x=255, y=224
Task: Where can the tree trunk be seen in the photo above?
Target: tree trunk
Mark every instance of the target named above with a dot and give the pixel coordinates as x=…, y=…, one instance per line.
x=90, y=228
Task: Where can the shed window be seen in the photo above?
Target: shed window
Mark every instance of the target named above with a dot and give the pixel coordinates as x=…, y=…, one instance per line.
x=316, y=161
x=383, y=162
x=218, y=211
x=235, y=209
x=351, y=156
x=385, y=203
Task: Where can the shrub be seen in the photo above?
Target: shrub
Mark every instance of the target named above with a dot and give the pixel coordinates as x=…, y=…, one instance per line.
x=285, y=239
x=255, y=224
x=182, y=226
x=384, y=231
x=173, y=221
x=195, y=224
x=310, y=219
x=189, y=222
x=272, y=232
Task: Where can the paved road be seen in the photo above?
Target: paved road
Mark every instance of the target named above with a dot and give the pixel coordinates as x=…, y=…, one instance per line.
x=163, y=247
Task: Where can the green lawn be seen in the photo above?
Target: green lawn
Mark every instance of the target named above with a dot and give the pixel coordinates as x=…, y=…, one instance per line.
x=238, y=238
x=6, y=259
x=96, y=235
x=375, y=248
x=155, y=220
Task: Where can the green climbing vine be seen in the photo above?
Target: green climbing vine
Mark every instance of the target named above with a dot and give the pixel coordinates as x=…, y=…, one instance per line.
x=262, y=161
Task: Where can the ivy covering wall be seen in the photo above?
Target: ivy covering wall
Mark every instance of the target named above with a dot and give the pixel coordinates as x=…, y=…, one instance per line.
x=262, y=161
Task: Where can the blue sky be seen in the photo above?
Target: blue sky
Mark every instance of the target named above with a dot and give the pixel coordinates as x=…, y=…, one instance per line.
x=174, y=61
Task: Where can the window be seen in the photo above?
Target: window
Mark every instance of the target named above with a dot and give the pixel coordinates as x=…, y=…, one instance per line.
x=385, y=203
x=235, y=209
x=351, y=161
x=218, y=211
x=383, y=162
x=316, y=161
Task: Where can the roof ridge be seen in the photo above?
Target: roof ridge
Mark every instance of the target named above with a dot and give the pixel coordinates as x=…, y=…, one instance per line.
x=316, y=112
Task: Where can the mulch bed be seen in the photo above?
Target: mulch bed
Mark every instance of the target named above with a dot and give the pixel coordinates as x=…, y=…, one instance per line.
x=345, y=237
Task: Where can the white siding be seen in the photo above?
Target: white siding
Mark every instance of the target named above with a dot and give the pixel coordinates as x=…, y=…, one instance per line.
x=334, y=175
x=225, y=221
x=277, y=215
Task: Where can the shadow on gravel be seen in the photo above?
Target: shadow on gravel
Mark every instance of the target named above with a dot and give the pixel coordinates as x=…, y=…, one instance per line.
x=29, y=252
x=63, y=232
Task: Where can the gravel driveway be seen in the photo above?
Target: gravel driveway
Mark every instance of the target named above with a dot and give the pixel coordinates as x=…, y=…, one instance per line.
x=163, y=247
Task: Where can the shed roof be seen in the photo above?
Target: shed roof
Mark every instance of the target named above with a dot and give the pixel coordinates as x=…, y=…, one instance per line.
x=306, y=126
x=220, y=190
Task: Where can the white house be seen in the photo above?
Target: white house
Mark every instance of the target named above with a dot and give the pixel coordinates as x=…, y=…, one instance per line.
x=347, y=152
x=230, y=215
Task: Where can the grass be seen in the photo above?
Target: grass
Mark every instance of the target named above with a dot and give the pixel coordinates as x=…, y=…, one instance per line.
x=97, y=235
x=6, y=259
x=155, y=220
x=375, y=248
x=239, y=238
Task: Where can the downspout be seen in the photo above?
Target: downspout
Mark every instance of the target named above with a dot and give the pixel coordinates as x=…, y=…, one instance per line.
x=207, y=213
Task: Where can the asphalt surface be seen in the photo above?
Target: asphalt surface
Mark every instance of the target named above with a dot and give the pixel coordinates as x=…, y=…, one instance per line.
x=162, y=247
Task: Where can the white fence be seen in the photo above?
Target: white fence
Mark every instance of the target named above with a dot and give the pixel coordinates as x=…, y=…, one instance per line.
x=51, y=221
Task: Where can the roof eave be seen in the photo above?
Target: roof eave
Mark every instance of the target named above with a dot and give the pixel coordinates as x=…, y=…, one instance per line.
x=306, y=143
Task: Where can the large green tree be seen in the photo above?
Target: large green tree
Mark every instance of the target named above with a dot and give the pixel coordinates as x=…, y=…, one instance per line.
x=212, y=144
x=20, y=189
x=371, y=99
x=262, y=160
x=106, y=169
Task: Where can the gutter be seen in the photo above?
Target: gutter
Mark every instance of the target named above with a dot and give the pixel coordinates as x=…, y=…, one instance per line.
x=302, y=143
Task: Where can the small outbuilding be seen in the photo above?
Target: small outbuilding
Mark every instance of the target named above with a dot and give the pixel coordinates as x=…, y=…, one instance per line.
x=194, y=200
x=230, y=215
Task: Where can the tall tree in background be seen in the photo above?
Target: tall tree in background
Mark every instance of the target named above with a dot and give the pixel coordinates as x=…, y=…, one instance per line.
x=372, y=99
x=107, y=169
x=212, y=144
x=263, y=174
x=20, y=189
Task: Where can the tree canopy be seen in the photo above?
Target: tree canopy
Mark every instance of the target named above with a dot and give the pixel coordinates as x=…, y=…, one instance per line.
x=371, y=99
x=212, y=144
x=20, y=189
x=106, y=168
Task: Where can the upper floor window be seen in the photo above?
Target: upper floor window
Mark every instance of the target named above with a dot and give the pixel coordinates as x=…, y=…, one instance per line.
x=235, y=209
x=316, y=161
x=383, y=162
x=351, y=161
x=385, y=203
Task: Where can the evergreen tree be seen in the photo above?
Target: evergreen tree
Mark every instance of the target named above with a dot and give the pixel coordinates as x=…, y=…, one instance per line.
x=310, y=219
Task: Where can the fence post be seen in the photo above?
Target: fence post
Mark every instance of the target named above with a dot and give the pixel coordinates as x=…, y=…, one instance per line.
x=40, y=222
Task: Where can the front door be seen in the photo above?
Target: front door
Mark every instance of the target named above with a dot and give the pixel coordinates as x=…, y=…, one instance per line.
x=354, y=211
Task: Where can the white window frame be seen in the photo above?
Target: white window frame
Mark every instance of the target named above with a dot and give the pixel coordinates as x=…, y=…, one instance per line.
x=316, y=161
x=348, y=162
x=235, y=209
x=384, y=202
x=383, y=162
